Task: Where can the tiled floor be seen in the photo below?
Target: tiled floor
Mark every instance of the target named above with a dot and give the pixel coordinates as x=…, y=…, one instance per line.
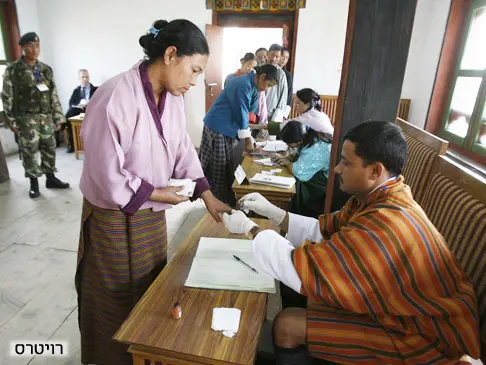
x=38, y=248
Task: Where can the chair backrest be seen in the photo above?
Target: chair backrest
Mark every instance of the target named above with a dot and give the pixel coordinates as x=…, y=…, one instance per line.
x=329, y=106
x=423, y=148
x=404, y=109
x=455, y=202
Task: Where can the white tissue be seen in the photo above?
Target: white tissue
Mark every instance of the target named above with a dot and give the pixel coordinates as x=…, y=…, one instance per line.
x=226, y=319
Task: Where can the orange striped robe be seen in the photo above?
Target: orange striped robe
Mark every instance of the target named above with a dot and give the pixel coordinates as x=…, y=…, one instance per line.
x=384, y=288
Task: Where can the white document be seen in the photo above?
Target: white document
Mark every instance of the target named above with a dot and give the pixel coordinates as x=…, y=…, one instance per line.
x=226, y=319
x=273, y=180
x=266, y=162
x=275, y=146
x=188, y=185
x=42, y=87
x=240, y=174
x=214, y=267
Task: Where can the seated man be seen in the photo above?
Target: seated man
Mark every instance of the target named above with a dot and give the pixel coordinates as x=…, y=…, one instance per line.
x=382, y=285
x=77, y=103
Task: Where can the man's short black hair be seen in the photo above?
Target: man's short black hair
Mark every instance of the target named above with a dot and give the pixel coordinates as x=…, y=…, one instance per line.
x=275, y=47
x=380, y=142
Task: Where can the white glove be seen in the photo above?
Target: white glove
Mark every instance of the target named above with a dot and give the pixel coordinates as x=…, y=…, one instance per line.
x=272, y=253
x=237, y=222
x=258, y=204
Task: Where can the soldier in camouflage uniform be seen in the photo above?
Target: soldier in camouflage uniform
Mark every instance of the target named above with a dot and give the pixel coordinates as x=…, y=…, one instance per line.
x=33, y=112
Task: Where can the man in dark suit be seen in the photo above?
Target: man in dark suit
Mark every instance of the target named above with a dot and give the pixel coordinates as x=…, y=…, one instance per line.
x=282, y=63
x=77, y=103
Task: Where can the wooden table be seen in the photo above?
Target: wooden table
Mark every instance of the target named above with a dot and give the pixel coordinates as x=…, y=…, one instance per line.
x=76, y=123
x=156, y=338
x=278, y=196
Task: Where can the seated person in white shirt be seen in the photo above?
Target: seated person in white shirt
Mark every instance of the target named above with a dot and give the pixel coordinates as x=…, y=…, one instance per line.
x=382, y=285
x=77, y=103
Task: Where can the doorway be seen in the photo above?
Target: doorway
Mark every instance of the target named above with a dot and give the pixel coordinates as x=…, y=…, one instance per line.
x=255, y=27
x=238, y=41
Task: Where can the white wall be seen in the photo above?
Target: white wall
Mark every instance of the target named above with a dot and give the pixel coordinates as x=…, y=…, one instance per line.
x=28, y=16
x=320, y=45
x=423, y=57
x=102, y=36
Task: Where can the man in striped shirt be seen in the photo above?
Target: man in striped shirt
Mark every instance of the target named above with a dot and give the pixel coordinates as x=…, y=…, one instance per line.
x=382, y=285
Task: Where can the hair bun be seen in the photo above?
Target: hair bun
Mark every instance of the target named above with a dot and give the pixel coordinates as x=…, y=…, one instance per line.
x=160, y=24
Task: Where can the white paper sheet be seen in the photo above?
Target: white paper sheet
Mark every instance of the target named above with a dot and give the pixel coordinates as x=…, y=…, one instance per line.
x=214, y=267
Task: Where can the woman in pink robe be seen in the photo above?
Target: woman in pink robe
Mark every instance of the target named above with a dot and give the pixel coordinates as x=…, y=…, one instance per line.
x=135, y=140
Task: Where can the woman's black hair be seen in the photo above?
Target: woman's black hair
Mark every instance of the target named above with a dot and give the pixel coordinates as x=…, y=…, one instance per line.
x=248, y=57
x=295, y=132
x=309, y=96
x=180, y=33
x=270, y=71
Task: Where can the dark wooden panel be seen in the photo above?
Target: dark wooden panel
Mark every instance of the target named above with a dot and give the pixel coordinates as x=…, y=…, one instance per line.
x=375, y=57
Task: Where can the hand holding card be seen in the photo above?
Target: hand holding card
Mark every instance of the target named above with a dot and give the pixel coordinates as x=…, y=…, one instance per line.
x=188, y=185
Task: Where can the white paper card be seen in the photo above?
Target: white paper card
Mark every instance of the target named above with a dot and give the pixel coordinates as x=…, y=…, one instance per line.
x=275, y=146
x=240, y=174
x=266, y=162
x=188, y=185
x=273, y=180
x=42, y=87
x=226, y=319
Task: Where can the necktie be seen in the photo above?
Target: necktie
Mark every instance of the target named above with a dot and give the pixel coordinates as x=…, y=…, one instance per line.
x=83, y=93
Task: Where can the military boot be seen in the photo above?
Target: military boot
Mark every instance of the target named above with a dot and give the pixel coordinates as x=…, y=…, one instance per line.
x=53, y=182
x=34, y=188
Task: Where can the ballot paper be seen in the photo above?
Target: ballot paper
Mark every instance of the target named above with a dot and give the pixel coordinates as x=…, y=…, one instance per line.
x=266, y=162
x=273, y=180
x=275, y=146
x=214, y=267
x=188, y=185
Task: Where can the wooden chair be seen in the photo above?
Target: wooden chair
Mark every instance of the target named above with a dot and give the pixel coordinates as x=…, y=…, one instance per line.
x=78, y=142
x=423, y=148
x=455, y=202
x=404, y=109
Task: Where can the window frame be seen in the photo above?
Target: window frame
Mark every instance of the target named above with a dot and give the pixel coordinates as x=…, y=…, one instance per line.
x=468, y=144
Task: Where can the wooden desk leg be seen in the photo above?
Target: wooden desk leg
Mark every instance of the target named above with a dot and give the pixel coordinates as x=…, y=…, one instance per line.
x=66, y=138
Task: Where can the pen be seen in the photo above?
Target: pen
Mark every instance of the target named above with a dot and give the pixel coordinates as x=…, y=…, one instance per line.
x=244, y=263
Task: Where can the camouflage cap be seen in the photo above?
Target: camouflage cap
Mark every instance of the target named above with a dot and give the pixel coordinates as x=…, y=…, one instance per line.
x=28, y=37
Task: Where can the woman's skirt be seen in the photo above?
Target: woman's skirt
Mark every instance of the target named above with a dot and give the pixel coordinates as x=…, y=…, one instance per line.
x=219, y=156
x=119, y=257
x=310, y=196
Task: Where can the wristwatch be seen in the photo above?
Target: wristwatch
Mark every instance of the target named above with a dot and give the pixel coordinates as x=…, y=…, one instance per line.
x=253, y=232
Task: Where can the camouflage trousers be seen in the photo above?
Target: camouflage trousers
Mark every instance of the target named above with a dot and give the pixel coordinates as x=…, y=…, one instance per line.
x=37, y=134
